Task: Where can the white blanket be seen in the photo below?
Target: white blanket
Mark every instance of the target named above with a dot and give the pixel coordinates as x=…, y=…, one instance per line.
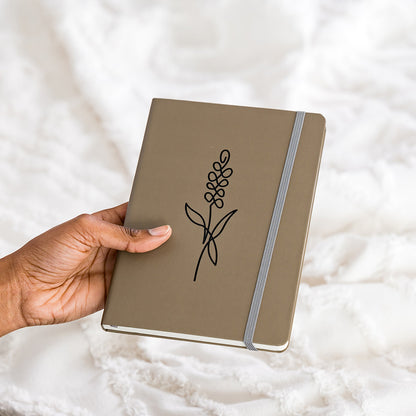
x=76, y=81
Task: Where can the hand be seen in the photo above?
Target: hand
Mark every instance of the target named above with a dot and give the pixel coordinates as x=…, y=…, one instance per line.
x=64, y=273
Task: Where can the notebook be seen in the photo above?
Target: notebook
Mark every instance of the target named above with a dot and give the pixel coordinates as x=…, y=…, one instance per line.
x=237, y=185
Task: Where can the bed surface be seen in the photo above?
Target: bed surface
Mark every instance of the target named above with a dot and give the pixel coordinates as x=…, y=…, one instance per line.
x=76, y=82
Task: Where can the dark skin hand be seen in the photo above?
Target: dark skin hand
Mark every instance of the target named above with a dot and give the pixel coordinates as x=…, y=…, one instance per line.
x=64, y=274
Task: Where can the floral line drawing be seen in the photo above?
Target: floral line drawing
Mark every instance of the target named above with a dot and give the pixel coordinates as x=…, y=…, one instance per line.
x=217, y=181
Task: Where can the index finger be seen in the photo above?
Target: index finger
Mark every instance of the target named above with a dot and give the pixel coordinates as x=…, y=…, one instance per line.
x=115, y=215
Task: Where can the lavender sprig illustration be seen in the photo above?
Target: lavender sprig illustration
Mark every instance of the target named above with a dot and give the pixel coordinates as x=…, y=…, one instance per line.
x=217, y=181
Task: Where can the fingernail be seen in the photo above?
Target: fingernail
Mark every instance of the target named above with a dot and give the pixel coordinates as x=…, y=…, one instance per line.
x=159, y=230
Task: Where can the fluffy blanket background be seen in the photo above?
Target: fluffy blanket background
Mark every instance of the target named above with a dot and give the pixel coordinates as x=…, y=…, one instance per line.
x=76, y=81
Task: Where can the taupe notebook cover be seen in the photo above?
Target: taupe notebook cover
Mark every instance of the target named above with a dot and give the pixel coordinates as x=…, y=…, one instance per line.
x=216, y=174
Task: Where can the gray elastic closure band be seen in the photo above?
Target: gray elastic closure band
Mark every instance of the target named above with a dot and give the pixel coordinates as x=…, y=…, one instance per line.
x=272, y=234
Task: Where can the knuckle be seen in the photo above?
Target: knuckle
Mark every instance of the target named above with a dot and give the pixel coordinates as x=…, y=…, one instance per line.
x=132, y=232
x=135, y=240
x=83, y=229
x=83, y=219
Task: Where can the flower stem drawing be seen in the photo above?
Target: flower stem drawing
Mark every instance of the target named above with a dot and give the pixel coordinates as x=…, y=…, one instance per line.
x=217, y=181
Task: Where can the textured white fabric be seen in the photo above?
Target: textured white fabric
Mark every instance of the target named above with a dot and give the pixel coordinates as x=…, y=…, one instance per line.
x=76, y=81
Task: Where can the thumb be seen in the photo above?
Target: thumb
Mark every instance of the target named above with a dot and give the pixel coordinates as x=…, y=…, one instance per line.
x=106, y=234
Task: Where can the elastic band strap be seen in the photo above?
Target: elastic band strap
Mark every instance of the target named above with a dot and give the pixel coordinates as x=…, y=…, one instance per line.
x=272, y=234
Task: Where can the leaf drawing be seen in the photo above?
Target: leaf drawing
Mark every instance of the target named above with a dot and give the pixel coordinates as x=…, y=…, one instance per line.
x=221, y=224
x=213, y=256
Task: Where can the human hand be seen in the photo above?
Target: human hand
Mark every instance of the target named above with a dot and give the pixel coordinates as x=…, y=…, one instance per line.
x=64, y=273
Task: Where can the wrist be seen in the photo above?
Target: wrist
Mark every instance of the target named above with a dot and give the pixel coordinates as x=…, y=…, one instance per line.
x=11, y=317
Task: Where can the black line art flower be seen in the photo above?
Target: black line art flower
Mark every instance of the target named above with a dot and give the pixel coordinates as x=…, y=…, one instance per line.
x=217, y=181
